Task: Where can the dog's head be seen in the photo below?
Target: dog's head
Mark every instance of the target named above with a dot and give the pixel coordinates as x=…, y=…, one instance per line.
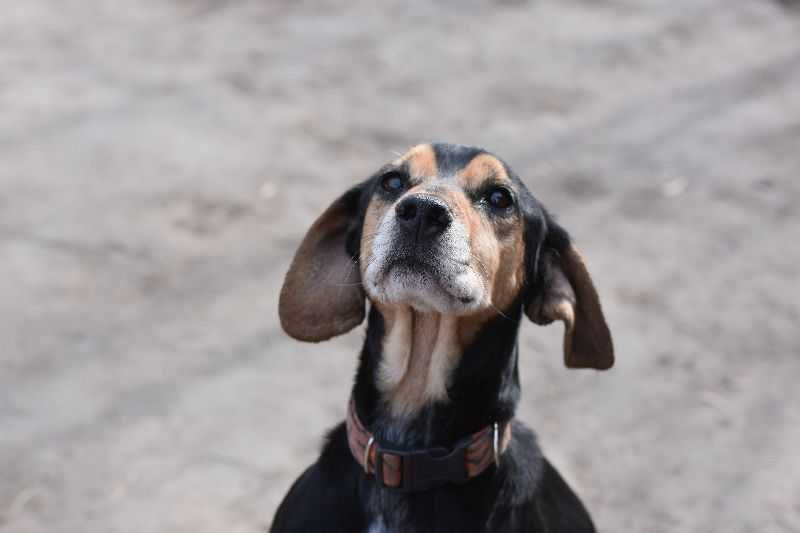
x=447, y=229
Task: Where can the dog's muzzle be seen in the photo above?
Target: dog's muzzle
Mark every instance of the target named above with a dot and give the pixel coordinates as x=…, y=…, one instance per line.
x=421, y=257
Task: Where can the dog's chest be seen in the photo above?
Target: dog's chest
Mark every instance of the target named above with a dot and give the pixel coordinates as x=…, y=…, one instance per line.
x=388, y=513
x=377, y=526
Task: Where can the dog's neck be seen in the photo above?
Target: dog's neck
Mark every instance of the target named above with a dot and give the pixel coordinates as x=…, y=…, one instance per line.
x=428, y=379
x=419, y=353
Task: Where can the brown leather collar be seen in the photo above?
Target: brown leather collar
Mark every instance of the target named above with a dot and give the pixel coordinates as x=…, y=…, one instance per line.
x=422, y=469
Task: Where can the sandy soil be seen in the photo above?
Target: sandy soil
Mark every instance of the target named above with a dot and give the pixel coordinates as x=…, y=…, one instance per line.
x=162, y=159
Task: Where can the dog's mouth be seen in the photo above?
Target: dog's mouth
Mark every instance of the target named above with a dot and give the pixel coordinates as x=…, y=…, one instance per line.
x=411, y=267
x=413, y=264
x=439, y=284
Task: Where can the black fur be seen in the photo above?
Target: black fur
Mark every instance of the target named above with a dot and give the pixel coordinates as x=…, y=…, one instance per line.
x=453, y=157
x=524, y=494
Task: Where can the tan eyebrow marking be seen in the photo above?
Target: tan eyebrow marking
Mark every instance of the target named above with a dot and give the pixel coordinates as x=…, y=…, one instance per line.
x=480, y=169
x=421, y=161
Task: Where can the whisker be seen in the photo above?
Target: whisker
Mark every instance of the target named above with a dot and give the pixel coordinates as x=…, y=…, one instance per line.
x=480, y=263
x=370, y=235
x=353, y=265
x=499, y=312
x=485, y=270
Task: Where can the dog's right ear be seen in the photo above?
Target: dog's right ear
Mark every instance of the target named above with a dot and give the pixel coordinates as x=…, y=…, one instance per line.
x=322, y=295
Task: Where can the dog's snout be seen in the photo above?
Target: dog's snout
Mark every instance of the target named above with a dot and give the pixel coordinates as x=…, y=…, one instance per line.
x=423, y=216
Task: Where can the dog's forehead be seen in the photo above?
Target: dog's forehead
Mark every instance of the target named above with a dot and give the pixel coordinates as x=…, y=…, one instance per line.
x=467, y=166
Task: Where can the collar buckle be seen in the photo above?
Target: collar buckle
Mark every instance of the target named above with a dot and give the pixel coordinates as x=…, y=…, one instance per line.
x=424, y=469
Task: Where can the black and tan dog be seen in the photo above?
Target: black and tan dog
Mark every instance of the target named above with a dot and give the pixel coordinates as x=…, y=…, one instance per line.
x=451, y=249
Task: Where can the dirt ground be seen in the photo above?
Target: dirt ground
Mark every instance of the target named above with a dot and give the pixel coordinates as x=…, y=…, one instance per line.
x=160, y=160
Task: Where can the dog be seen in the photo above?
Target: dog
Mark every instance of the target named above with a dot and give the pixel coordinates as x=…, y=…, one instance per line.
x=450, y=249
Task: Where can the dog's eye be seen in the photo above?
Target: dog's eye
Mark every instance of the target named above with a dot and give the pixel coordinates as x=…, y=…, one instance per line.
x=499, y=198
x=393, y=182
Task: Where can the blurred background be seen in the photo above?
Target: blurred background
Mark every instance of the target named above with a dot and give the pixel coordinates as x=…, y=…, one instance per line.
x=161, y=160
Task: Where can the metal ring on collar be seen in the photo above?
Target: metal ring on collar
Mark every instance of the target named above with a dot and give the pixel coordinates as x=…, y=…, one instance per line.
x=496, y=443
x=370, y=442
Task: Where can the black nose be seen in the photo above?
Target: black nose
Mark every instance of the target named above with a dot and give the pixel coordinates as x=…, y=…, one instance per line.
x=423, y=216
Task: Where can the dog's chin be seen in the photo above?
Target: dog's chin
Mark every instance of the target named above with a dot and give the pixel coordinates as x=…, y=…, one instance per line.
x=427, y=290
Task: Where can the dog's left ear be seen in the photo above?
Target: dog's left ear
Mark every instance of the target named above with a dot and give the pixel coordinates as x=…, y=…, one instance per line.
x=563, y=290
x=322, y=296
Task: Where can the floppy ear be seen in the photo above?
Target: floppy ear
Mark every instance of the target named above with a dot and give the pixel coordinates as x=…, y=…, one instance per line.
x=322, y=296
x=565, y=292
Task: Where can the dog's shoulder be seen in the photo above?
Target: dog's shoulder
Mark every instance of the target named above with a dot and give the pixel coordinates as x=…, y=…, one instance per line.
x=324, y=497
x=559, y=507
x=534, y=493
x=522, y=468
